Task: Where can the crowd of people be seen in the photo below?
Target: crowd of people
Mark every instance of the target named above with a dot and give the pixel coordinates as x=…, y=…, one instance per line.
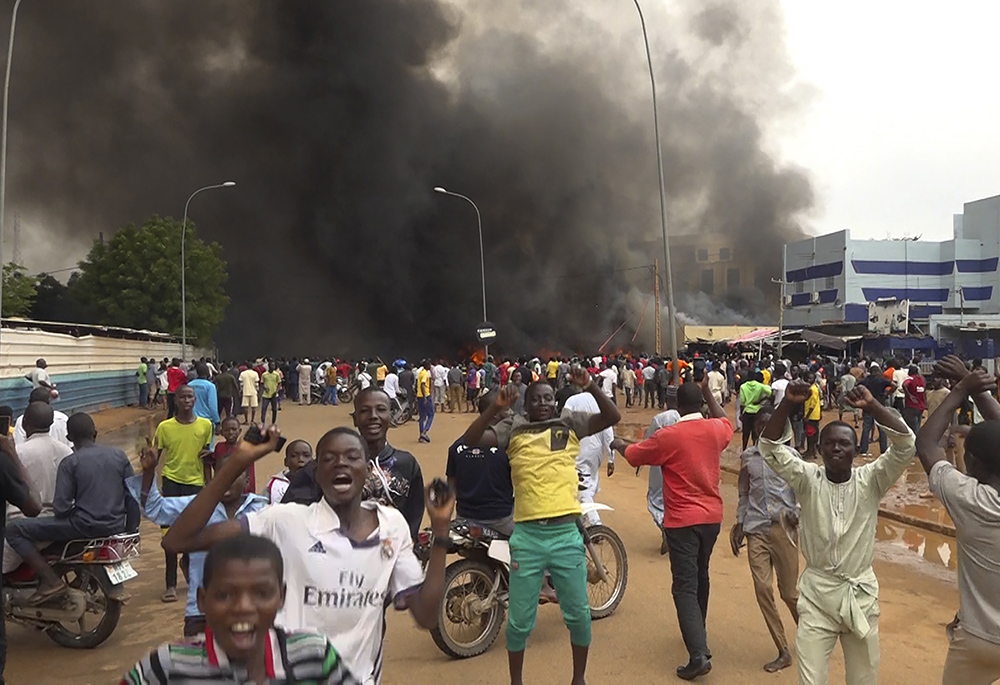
x=289, y=581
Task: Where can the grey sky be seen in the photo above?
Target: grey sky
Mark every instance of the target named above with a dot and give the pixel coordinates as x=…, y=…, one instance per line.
x=902, y=128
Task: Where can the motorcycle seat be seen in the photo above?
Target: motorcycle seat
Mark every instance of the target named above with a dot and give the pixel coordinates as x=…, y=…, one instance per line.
x=476, y=530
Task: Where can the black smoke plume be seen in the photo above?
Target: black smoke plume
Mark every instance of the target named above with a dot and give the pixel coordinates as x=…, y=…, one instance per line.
x=338, y=118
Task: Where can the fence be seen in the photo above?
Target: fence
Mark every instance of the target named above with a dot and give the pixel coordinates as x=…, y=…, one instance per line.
x=92, y=372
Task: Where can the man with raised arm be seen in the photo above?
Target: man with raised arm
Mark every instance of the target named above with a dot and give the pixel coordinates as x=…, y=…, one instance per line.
x=838, y=589
x=542, y=450
x=973, y=502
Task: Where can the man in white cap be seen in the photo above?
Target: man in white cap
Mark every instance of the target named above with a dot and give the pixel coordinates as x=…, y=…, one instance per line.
x=305, y=376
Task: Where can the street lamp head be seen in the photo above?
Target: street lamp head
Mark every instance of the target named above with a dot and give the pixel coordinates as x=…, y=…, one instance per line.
x=439, y=189
x=229, y=184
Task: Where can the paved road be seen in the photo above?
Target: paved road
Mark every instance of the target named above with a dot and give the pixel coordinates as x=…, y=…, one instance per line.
x=639, y=642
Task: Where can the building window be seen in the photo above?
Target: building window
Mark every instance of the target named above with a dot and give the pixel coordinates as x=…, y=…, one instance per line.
x=724, y=254
x=830, y=283
x=702, y=255
x=708, y=281
x=732, y=278
x=800, y=287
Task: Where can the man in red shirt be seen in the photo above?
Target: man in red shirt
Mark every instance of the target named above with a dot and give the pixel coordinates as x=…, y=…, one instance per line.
x=914, y=399
x=688, y=453
x=176, y=377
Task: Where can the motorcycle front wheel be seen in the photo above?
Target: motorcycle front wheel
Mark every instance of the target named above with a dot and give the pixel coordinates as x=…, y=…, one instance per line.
x=345, y=396
x=465, y=628
x=100, y=618
x=605, y=595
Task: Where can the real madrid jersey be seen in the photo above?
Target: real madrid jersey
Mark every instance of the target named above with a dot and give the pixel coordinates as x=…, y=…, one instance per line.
x=337, y=586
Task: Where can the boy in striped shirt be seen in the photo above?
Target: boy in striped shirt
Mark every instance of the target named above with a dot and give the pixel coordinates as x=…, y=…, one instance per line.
x=241, y=594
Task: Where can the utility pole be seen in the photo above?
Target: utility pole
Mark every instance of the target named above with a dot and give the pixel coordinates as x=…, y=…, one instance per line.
x=17, y=239
x=781, y=311
x=656, y=296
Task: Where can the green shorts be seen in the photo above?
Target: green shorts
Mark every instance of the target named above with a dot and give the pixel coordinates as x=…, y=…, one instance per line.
x=537, y=547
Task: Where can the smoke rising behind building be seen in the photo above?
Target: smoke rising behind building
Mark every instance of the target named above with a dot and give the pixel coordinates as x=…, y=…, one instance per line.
x=337, y=119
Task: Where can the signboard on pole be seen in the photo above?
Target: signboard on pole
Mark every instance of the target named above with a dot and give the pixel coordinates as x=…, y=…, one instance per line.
x=486, y=333
x=889, y=316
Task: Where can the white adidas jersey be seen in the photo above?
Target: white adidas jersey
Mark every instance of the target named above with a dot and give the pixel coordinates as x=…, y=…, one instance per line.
x=339, y=587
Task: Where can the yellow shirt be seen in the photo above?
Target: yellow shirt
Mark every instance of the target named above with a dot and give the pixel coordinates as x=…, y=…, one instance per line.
x=813, y=408
x=380, y=373
x=182, y=444
x=543, y=464
x=767, y=376
x=552, y=370
x=423, y=383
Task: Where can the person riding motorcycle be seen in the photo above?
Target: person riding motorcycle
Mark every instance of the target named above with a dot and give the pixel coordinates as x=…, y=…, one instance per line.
x=90, y=501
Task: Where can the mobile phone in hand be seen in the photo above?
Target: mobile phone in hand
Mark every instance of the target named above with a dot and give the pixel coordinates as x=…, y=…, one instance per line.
x=439, y=491
x=4, y=425
x=254, y=437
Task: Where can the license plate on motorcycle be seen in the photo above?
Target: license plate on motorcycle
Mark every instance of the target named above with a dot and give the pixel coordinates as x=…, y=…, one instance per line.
x=120, y=572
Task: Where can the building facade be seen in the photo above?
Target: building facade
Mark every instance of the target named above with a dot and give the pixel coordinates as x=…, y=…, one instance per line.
x=950, y=285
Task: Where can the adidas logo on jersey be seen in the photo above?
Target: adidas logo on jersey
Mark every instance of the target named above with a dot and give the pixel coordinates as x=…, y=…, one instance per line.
x=318, y=548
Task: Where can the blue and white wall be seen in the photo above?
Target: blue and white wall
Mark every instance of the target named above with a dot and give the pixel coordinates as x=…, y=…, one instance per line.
x=832, y=278
x=91, y=372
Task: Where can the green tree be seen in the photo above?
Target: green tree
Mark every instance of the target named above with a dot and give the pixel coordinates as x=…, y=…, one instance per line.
x=19, y=290
x=134, y=280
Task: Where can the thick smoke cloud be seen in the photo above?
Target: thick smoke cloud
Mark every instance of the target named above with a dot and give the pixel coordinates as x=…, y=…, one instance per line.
x=337, y=118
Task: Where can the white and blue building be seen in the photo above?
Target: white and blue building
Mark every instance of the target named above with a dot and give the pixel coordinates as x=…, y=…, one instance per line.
x=953, y=286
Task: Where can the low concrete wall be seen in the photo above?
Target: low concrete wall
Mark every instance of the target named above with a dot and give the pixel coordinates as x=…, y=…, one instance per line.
x=91, y=372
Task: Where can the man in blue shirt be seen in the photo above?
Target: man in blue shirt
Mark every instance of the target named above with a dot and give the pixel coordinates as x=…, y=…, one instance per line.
x=165, y=510
x=206, y=397
x=481, y=479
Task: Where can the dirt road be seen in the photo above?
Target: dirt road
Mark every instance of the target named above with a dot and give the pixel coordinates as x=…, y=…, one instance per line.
x=640, y=642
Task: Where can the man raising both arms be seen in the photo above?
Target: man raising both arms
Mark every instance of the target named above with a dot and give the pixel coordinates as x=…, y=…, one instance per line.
x=838, y=589
x=542, y=450
x=344, y=557
x=973, y=502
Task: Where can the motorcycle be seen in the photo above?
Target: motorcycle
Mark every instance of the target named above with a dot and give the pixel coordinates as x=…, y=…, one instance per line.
x=346, y=390
x=476, y=586
x=401, y=411
x=95, y=572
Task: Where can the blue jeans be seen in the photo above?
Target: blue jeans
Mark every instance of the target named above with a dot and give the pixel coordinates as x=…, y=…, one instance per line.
x=425, y=408
x=143, y=394
x=866, y=429
x=329, y=395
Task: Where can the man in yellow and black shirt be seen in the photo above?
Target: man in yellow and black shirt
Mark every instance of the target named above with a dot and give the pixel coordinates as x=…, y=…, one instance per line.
x=425, y=403
x=542, y=450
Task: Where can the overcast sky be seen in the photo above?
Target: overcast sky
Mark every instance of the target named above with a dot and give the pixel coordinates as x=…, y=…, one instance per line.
x=902, y=129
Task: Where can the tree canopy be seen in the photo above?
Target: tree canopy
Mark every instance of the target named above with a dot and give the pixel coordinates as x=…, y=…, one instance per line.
x=134, y=280
x=19, y=290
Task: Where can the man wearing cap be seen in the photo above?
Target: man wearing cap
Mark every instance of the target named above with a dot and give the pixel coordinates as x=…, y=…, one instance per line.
x=880, y=387
x=305, y=376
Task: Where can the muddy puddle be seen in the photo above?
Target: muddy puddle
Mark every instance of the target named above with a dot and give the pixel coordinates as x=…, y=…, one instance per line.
x=129, y=438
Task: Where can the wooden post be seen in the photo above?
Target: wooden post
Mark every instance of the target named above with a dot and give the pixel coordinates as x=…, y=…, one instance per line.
x=656, y=297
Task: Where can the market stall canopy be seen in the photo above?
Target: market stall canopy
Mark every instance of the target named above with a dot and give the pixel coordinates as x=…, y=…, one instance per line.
x=714, y=334
x=832, y=342
x=755, y=336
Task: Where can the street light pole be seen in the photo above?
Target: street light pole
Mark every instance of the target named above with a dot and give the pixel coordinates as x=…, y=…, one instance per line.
x=663, y=205
x=184, y=329
x=482, y=254
x=3, y=144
